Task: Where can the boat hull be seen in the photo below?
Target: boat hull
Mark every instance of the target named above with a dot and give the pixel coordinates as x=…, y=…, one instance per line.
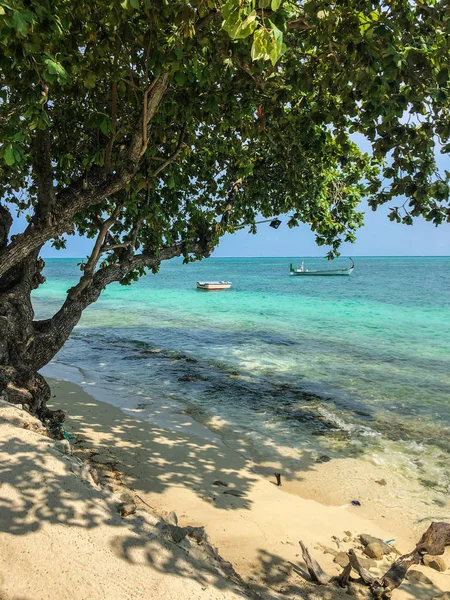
x=213, y=286
x=329, y=273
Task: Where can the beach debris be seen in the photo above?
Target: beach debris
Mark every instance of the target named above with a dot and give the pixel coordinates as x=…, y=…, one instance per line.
x=94, y=475
x=65, y=447
x=278, y=478
x=355, y=503
x=126, y=508
x=349, y=533
x=172, y=518
x=144, y=502
x=374, y=550
x=347, y=540
x=444, y=596
x=336, y=540
x=418, y=577
x=219, y=482
x=323, y=459
x=433, y=542
x=435, y=562
x=381, y=481
x=314, y=569
x=236, y=493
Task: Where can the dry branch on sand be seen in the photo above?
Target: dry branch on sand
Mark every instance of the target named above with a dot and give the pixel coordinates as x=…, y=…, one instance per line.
x=432, y=542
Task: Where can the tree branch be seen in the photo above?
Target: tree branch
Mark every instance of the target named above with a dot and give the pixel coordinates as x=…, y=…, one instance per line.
x=89, y=269
x=51, y=334
x=88, y=190
x=173, y=157
x=43, y=173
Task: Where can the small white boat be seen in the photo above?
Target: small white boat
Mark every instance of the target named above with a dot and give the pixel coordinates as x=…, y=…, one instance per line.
x=213, y=286
x=324, y=272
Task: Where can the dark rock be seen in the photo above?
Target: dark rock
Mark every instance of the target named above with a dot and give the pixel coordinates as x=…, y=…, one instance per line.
x=381, y=481
x=435, y=562
x=218, y=482
x=126, y=509
x=323, y=459
x=418, y=576
x=236, y=493
x=185, y=378
x=197, y=533
x=444, y=596
x=177, y=533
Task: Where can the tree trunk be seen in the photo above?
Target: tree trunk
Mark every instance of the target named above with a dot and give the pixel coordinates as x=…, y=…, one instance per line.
x=19, y=380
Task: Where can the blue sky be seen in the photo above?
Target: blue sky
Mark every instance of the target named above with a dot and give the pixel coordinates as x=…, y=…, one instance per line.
x=379, y=237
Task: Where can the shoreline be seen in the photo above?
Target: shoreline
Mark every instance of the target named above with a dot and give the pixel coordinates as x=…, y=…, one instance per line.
x=173, y=468
x=335, y=482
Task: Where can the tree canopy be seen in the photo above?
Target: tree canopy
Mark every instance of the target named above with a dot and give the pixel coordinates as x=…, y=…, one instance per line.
x=153, y=115
x=156, y=126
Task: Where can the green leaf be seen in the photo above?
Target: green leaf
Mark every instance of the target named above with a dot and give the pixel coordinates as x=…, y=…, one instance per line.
x=55, y=68
x=134, y=4
x=8, y=155
x=275, y=5
x=261, y=43
x=90, y=80
x=104, y=124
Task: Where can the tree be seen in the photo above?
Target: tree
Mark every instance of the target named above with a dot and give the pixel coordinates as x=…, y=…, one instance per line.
x=155, y=126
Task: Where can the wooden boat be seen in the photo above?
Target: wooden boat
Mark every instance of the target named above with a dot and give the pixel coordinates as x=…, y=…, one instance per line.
x=213, y=286
x=324, y=272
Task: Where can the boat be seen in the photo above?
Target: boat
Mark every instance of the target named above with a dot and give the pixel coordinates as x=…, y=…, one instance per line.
x=213, y=286
x=322, y=272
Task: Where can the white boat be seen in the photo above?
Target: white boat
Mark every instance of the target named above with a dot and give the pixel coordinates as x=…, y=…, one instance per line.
x=324, y=272
x=213, y=286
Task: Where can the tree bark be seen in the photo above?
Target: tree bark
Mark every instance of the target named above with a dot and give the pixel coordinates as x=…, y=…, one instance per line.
x=19, y=381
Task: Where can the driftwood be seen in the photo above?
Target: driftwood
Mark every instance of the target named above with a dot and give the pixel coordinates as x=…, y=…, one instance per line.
x=433, y=542
x=315, y=571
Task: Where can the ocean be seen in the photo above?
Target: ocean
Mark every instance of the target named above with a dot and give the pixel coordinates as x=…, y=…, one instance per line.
x=340, y=366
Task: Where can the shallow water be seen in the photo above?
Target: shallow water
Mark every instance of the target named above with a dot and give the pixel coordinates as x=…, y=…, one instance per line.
x=354, y=365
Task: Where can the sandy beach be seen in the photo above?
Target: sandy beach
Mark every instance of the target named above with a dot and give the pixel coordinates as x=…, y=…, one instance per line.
x=255, y=525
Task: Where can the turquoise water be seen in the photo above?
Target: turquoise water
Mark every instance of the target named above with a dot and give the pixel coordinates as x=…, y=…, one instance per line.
x=342, y=365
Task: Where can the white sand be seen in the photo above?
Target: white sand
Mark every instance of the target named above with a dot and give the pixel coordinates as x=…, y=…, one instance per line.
x=61, y=532
x=62, y=539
